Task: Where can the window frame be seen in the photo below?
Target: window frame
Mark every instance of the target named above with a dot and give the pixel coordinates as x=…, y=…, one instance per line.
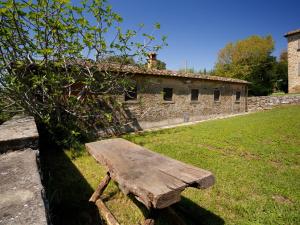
x=219, y=96
x=194, y=100
x=238, y=97
x=134, y=98
x=165, y=92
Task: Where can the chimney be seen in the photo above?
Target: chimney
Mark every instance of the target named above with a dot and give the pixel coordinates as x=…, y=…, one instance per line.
x=152, y=63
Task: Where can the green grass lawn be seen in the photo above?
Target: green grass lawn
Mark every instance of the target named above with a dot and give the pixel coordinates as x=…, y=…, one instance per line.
x=255, y=159
x=282, y=94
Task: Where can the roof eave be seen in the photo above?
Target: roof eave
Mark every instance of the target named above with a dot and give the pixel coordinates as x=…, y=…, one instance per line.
x=294, y=32
x=196, y=78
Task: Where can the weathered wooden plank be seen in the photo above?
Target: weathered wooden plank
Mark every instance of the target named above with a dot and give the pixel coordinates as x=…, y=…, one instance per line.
x=155, y=180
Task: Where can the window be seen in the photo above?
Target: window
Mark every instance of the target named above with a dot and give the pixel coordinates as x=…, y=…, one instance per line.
x=237, y=96
x=298, y=45
x=194, y=94
x=216, y=95
x=131, y=94
x=298, y=69
x=168, y=94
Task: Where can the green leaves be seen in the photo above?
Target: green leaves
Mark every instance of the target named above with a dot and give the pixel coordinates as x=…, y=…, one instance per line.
x=82, y=21
x=63, y=1
x=3, y=10
x=157, y=26
x=249, y=59
x=45, y=51
x=50, y=51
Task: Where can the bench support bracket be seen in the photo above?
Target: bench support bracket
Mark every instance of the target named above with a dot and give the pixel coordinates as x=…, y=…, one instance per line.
x=109, y=217
x=95, y=198
x=103, y=184
x=111, y=220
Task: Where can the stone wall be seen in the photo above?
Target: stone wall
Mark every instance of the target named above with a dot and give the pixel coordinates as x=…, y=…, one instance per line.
x=267, y=102
x=21, y=190
x=294, y=63
x=18, y=133
x=150, y=110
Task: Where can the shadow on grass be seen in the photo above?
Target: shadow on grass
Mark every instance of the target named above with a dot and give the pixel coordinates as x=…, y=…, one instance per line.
x=66, y=189
x=190, y=212
x=193, y=214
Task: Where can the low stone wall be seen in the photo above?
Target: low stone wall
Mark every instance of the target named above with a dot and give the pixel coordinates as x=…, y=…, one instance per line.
x=267, y=102
x=21, y=190
x=18, y=133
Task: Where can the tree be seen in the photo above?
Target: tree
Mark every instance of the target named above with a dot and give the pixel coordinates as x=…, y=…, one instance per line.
x=281, y=73
x=187, y=70
x=249, y=59
x=49, y=62
x=206, y=72
x=123, y=60
x=160, y=65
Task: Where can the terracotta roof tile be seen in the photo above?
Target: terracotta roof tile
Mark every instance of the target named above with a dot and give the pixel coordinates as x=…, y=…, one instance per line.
x=142, y=70
x=292, y=32
x=167, y=73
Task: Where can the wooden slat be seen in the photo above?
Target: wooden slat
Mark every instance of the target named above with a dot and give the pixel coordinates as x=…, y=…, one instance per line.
x=155, y=180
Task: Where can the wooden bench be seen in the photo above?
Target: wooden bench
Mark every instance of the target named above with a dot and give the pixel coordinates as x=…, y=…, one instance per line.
x=155, y=180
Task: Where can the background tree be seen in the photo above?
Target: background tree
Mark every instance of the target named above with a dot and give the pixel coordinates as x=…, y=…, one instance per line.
x=160, y=65
x=249, y=59
x=206, y=72
x=281, y=74
x=49, y=62
x=187, y=70
x=123, y=60
x=127, y=60
x=200, y=71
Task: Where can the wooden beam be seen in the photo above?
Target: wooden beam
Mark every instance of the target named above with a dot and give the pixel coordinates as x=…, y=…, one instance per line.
x=103, y=184
x=108, y=216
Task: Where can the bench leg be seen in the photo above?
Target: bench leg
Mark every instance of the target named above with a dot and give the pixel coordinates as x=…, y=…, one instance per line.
x=103, y=184
x=109, y=217
x=150, y=220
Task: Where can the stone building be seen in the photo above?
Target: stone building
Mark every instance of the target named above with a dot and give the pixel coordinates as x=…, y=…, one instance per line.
x=164, y=97
x=293, y=38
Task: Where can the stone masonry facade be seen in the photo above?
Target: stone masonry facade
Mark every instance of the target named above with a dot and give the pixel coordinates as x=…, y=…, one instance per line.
x=151, y=110
x=293, y=39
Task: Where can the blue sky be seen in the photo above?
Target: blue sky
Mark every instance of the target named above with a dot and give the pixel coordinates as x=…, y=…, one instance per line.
x=198, y=29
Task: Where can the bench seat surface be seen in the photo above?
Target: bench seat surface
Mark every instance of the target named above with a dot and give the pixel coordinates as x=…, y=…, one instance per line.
x=154, y=179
